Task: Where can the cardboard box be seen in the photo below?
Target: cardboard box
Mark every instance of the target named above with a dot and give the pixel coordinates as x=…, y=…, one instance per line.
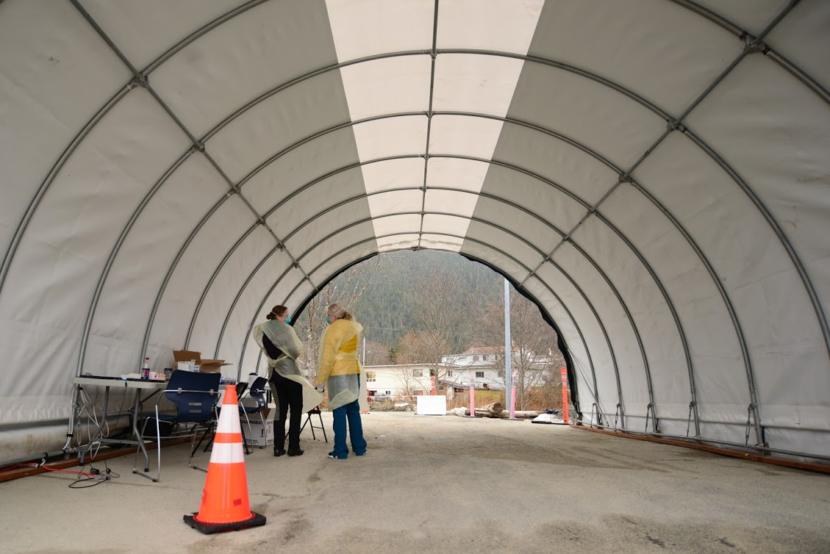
x=205, y=365
x=260, y=434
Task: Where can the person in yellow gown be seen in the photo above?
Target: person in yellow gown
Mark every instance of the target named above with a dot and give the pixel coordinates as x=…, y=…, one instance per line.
x=339, y=372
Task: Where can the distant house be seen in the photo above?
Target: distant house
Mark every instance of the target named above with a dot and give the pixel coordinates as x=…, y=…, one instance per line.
x=397, y=381
x=478, y=367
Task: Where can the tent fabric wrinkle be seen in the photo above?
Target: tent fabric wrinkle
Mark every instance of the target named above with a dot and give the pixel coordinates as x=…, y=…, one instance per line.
x=653, y=174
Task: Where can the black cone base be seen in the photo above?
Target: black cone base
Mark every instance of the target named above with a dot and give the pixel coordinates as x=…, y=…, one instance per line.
x=209, y=528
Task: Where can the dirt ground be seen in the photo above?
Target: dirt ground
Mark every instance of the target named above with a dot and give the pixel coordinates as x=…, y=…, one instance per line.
x=443, y=484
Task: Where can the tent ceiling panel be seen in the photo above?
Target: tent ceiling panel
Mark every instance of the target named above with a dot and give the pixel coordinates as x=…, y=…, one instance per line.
x=504, y=25
x=572, y=334
x=534, y=195
x=82, y=214
x=556, y=160
x=273, y=268
x=393, y=174
x=466, y=136
x=713, y=338
x=629, y=359
x=535, y=231
x=483, y=84
x=483, y=251
x=201, y=83
x=239, y=348
x=396, y=224
x=441, y=242
x=529, y=255
x=649, y=309
x=370, y=27
x=166, y=22
x=399, y=242
x=594, y=332
x=595, y=115
x=349, y=252
x=193, y=270
x=390, y=202
x=399, y=136
x=306, y=207
x=147, y=251
x=278, y=122
x=301, y=167
x=54, y=50
x=389, y=85
x=803, y=38
x=461, y=203
x=751, y=15
x=639, y=40
x=451, y=225
x=218, y=294
x=784, y=345
x=314, y=246
x=798, y=209
x=456, y=173
x=707, y=202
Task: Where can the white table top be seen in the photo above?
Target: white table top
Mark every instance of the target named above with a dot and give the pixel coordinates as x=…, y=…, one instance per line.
x=101, y=381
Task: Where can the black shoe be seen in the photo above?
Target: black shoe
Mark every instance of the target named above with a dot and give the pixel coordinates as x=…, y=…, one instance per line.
x=278, y=452
x=297, y=452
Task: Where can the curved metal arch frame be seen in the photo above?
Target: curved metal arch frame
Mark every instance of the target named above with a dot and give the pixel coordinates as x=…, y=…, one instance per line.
x=748, y=38
x=57, y=166
x=370, y=219
x=142, y=76
x=538, y=250
x=581, y=292
x=140, y=79
x=594, y=392
x=229, y=15
x=589, y=208
x=481, y=160
x=610, y=164
x=538, y=60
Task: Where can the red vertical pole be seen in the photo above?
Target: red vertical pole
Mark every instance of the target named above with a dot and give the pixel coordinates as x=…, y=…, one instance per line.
x=472, y=401
x=565, y=414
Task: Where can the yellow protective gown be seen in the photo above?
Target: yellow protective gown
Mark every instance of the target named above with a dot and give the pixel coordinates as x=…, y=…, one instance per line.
x=339, y=367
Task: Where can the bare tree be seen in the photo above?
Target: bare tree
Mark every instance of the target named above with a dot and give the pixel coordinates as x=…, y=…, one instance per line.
x=534, y=353
x=424, y=347
x=345, y=290
x=377, y=353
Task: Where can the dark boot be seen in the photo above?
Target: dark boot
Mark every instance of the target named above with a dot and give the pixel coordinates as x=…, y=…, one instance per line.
x=279, y=446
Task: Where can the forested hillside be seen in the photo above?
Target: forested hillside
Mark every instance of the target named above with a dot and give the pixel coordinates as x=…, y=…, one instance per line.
x=400, y=287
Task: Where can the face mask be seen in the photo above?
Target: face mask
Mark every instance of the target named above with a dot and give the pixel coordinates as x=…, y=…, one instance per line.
x=288, y=320
x=329, y=319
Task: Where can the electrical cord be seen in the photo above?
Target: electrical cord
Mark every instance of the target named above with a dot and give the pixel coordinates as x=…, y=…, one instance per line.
x=86, y=479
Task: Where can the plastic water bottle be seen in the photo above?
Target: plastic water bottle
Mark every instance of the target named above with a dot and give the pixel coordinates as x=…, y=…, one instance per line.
x=145, y=370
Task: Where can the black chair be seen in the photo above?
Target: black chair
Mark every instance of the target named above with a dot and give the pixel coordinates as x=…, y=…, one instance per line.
x=257, y=393
x=314, y=411
x=194, y=396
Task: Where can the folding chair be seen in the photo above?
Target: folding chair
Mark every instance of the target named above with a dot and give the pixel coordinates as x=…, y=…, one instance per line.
x=257, y=392
x=195, y=396
x=321, y=427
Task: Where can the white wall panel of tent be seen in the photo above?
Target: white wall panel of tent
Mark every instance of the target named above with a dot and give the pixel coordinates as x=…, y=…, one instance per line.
x=654, y=173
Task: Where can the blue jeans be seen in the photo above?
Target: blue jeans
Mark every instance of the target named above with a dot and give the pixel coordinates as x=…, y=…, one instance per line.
x=350, y=412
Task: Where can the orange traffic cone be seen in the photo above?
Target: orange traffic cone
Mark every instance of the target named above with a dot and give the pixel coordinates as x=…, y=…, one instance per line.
x=225, y=505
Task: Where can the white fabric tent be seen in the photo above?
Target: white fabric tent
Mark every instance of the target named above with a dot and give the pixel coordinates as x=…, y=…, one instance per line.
x=654, y=173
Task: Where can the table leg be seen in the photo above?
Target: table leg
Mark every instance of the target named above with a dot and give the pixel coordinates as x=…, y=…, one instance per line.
x=104, y=420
